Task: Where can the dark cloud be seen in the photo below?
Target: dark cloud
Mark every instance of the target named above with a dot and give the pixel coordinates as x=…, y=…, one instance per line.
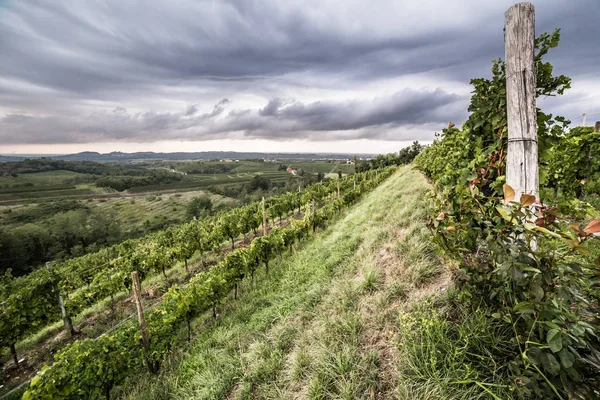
x=64, y=64
x=352, y=119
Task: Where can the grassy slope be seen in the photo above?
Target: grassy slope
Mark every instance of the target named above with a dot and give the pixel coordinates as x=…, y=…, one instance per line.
x=325, y=323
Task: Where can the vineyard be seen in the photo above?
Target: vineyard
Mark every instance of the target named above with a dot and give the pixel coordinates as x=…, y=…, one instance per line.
x=529, y=262
x=32, y=301
x=465, y=269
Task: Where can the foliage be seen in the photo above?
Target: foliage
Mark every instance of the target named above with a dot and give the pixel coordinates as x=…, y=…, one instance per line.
x=521, y=259
x=260, y=182
x=573, y=168
x=64, y=234
x=200, y=206
x=404, y=156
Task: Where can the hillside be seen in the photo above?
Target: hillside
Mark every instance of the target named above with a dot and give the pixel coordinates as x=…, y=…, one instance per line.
x=324, y=324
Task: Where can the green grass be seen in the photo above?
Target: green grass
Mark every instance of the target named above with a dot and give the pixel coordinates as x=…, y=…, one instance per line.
x=302, y=332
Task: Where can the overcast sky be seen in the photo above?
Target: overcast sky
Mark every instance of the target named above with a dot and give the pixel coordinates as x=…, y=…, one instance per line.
x=280, y=75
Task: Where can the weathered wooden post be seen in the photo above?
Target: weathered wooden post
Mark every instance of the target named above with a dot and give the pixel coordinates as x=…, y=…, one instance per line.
x=338, y=188
x=522, y=156
x=314, y=213
x=264, y=217
x=67, y=322
x=597, y=126
x=137, y=295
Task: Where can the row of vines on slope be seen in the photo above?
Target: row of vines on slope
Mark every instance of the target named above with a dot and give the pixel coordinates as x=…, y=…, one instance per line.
x=93, y=367
x=531, y=264
x=31, y=301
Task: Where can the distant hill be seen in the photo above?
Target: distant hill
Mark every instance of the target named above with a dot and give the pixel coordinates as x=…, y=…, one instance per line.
x=11, y=158
x=117, y=156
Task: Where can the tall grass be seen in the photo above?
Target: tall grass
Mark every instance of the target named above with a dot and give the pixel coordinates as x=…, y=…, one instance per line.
x=456, y=355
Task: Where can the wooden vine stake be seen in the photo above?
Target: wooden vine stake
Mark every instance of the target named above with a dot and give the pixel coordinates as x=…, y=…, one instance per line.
x=137, y=294
x=314, y=213
x=338, y=188
x=597, y=126
x=264, y=218
x=522, y=156
x=67, y=322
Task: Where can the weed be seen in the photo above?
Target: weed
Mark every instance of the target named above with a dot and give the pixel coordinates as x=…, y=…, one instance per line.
x=371, y=280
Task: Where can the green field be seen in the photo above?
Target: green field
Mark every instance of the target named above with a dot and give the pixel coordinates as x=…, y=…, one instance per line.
x=60, y=184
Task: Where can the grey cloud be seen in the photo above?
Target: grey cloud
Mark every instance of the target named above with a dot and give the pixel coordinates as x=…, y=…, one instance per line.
x=58, y=59
x=73, y=49
x=191, y=110
x=352, y=119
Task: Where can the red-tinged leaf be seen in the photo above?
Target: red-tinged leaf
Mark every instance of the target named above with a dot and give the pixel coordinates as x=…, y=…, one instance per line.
x=527, y=200
x=441, y=216
x=509, y=193
x=540, y=222
x=482, y=171
x=575, y=227
x=593, y=226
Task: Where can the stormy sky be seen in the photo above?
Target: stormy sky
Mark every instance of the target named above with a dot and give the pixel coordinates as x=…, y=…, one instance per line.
x=268, y=75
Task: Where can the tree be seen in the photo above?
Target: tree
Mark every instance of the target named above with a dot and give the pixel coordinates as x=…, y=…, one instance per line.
x=199, y=207
x=260, y=182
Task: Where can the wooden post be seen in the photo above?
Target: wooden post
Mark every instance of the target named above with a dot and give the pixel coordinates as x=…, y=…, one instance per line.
x=264, y=218
x=67, y=322
x=522, y=156
x=597, y=126
x=314, y=213
x=137, y=294
x=338, y=188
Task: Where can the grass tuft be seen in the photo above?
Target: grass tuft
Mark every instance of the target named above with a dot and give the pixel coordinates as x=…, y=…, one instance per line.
x=371, y=281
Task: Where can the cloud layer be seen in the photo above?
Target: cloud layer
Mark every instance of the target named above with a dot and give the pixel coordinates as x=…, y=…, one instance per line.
x=134, y=71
